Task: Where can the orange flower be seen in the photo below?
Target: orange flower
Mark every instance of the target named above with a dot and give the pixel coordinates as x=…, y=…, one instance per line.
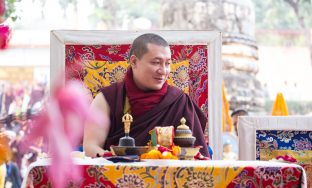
x=153, y=154
x=176, y=150
x=166, y=155
x=143, y=156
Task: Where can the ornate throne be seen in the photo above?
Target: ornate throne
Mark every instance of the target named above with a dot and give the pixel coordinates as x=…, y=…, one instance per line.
x=99, y=58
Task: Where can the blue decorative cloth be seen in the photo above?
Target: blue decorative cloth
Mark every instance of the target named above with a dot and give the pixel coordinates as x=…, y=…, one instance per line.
x=283, y=140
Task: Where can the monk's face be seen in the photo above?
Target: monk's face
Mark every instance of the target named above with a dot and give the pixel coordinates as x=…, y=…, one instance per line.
x=152, y=70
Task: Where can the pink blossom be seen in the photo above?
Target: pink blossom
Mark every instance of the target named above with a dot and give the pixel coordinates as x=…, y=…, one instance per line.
x=62, y=123
x=2, y=8
x=5, y=34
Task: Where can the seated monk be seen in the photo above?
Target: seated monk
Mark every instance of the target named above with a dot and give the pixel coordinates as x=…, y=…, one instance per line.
x=144, y=94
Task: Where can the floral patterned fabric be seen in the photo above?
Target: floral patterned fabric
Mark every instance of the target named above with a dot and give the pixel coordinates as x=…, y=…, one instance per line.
x=267, y=177
x=302, y=156
x=112, y=175
x=101, y=65
x=297, y=144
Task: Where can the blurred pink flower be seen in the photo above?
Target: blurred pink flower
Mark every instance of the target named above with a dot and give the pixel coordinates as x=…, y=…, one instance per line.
x=5, y=33
x=62, y=124
x=2, y=8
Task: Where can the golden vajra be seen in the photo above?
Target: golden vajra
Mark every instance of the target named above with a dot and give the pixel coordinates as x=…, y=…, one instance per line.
x=127, y=120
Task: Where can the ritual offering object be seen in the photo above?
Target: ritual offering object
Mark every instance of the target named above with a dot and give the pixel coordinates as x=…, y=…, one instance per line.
x=127, y=144
x=183, y=135
x=129, y=150
x=188, y=153
x=162, y=136
x=127, y=140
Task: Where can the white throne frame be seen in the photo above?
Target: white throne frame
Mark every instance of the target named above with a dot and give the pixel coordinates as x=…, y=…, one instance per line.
x=247, y=127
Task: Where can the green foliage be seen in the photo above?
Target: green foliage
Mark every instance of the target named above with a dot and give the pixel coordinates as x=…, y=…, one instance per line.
x=134, y=8
x=114, y=11
x=306, y=11
x=278, y=14
x=65, y=3
x=10, y=10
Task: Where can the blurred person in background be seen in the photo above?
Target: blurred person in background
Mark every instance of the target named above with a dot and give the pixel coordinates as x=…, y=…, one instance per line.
x=2, y=174
x=36, y=95
x=27, y=160
x=16, y=106
x=8, y=98
x=16, y=146
x=1, y=97
x=6, y=138
x=235, y=114
x=26, y=99
x=13, y=176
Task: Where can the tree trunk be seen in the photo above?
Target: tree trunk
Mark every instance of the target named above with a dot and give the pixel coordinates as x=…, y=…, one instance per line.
x=294, y=4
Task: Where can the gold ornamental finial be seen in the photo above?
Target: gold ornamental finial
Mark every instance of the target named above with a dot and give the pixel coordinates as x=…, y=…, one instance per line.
x=183, y=126
x=127, y=120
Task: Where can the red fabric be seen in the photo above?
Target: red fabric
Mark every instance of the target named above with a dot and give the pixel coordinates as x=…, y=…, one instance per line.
x=142, y=101
x=267, y=177
x=197, y=56
x=92, y=177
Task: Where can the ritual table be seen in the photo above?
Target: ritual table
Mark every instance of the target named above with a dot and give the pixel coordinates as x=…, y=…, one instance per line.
x=174, y=173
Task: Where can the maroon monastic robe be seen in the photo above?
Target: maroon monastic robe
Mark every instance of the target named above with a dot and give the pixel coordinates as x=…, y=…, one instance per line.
x=175, y=105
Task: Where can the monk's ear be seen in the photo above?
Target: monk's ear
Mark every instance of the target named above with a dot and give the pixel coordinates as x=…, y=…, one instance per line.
x=133, y=61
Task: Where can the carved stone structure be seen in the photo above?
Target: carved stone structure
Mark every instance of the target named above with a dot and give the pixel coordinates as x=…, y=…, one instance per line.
x=236, y=20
